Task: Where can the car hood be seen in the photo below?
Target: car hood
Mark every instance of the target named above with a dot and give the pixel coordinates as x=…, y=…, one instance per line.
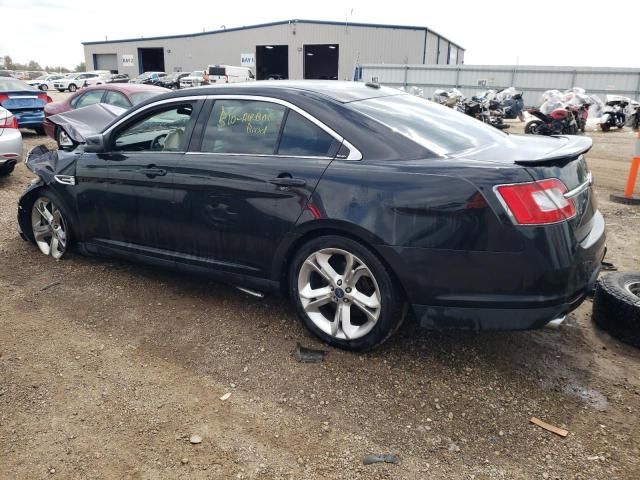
x=85, y=121
x=530, y=149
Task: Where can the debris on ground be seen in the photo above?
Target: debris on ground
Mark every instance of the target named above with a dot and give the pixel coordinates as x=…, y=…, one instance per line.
x=225, y=396
x=309, y=355
x=385, y=458
x=551, y=428
x=195, y=439
x=50, y=285
x=608, y=267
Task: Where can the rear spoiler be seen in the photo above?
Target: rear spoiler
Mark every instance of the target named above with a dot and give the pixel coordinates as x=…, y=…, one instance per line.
x=571, y=147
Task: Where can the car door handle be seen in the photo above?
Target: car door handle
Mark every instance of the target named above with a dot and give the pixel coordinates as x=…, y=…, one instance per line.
x=288, y=182
x=153, y=172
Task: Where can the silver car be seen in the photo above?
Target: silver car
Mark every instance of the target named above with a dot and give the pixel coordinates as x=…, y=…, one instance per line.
x=10, y=142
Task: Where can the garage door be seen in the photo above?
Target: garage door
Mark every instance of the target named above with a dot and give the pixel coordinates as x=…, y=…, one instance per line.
x=106, y=61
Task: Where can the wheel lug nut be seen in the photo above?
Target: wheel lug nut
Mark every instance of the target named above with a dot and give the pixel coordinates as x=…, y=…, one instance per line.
x=346, y=300
x=339, y=282
x=348, y=290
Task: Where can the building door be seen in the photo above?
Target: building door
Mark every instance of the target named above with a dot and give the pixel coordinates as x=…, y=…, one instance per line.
x=321, y=62
x=272, y=62
x=151, y=59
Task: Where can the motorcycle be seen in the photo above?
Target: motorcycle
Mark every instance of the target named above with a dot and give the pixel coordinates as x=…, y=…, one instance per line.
x=634, y=118
x=614, y=114
x=512, y=103
x=559, y=122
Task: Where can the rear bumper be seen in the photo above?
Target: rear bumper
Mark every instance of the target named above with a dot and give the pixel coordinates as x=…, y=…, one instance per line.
x=500, y=290
x=29, y=119
x=11, y=149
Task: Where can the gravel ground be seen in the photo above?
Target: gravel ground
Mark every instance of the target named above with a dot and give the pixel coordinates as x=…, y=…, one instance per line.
x=107, y=368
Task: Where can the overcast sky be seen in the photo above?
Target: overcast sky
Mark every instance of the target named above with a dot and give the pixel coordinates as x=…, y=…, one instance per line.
x=560, y=32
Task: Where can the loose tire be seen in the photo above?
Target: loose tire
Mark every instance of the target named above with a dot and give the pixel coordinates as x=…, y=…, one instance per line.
x=616, y=306
x=72, y=88
x=344, y=294
x=50, y=227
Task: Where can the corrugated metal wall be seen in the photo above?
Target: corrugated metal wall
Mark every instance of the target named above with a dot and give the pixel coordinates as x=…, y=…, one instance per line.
x=357, y=44
x=533, y=80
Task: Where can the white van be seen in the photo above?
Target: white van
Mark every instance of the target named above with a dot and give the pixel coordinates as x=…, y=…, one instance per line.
x=228, y=74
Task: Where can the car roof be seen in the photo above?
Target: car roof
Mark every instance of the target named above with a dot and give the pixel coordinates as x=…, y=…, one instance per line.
x=126, y=88
x=339, y=91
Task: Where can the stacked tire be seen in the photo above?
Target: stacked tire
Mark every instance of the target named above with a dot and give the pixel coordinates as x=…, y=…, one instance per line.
x=616, y=306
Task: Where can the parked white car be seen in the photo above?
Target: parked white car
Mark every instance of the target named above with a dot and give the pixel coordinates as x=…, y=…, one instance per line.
x=101, y=79
x=45, y=82
x=80, y=80
x=10, y=142
x=229, y=74
x=194, y=79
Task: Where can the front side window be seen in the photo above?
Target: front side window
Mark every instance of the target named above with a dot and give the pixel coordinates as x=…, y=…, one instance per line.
x=117, y=99
x=243, y=126
x=161, y=130
x=89, y=98
x=300, y=137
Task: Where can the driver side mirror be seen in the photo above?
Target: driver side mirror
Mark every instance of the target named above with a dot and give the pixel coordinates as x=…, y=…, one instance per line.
x=95, y=144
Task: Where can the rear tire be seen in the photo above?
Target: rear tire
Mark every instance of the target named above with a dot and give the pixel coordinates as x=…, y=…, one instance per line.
x=6, y=171
x=605, y=127
x=72, y=88
x=44, y=87
x=356, y=308
x=533, y=127
x=616, y=306
x=40, y=130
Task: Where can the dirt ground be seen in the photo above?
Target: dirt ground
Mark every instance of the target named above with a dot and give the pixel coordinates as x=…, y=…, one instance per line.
x=107, y=368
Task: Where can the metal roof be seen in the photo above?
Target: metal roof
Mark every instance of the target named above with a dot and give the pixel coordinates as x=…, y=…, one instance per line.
x=271, y=24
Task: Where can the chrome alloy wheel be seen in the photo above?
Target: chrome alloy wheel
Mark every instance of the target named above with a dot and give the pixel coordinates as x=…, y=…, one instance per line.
x=339, y=293
x=49, y=227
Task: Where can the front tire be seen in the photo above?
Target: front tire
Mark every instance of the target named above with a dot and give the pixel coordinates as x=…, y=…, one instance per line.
x=44, y=87
x=605, y=127
x=344, y=294
x=533, y=127
x=6, y=171
x=50, y=227
x=72, y=88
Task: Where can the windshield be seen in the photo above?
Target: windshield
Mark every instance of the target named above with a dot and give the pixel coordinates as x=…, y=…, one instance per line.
x=140, y=97
x=435, y=127
x=42, y=77
x=197, y=73
x=13, y=84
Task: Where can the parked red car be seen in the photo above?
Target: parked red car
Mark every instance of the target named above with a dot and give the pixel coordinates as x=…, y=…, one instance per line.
x=124, y=95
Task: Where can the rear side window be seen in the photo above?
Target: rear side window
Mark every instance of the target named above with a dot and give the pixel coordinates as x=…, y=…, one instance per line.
x=117, y=99
x=243, y=126
x=217, y=71
x=435, y=127
x=300, y=137
x=89, y=98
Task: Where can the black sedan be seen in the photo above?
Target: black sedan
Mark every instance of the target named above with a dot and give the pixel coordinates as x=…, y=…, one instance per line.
x=355, y=200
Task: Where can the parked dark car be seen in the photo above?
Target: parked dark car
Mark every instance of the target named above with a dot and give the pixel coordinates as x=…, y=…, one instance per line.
x=25, y=102
x=172, y=80
x=149, y=78
x=118, y=78
x=354, y=200
x=124, y=95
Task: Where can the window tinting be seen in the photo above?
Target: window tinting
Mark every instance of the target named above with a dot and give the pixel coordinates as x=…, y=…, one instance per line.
x=303, y=138
x=435, y=127
x=117, y=99
x=243, y=126
x=160, y=131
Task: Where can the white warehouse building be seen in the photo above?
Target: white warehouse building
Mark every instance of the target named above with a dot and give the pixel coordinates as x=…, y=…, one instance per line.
x=294, y=49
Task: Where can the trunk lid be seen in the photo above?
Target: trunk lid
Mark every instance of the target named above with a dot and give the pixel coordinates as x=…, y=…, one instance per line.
x=560, y=157
x=22, y=101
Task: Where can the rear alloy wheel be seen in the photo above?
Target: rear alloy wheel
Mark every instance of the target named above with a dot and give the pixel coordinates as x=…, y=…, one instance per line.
x=72, y=88
x=344, y=294
x=533, y=127
x=44, y=87
x=49, y=226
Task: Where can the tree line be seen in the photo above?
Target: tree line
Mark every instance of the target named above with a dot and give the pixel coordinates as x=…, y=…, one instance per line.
x=9, y=64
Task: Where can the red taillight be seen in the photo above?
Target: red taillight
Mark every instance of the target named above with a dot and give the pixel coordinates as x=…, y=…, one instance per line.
x=537, y=203
x=9, y=122
x=3, y=97
x=45, y=97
